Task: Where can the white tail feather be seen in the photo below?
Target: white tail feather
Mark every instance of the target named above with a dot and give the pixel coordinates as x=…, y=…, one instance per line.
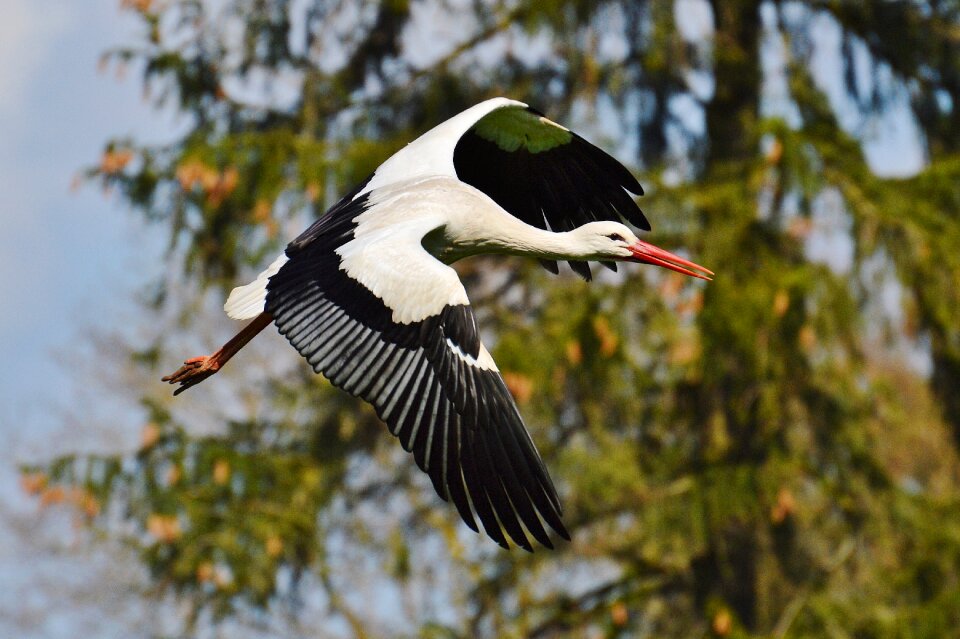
x=246, y=302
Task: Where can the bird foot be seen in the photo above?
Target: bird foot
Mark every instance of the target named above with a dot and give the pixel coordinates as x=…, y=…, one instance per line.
x=193, y=371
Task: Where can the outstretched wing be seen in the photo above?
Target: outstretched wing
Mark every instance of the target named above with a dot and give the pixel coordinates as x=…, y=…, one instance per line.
x=545, y=175
x=429, y=378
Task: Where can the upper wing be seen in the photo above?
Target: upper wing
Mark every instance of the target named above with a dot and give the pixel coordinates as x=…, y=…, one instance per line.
x=430, y=380
x=544, y=174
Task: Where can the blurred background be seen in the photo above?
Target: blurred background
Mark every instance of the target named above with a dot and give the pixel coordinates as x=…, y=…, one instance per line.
x=772, y=454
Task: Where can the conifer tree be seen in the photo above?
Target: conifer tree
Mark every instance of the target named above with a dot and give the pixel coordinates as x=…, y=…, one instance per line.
x=749, y=458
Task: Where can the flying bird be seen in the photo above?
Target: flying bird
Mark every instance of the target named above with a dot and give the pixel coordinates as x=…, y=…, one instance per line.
x=367, y=296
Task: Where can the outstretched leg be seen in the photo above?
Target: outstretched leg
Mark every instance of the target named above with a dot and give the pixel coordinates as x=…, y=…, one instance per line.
x=197, y=369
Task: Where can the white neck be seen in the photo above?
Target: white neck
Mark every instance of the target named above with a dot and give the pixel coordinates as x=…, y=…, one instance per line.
x=456, y=220
x=489, y=229
x=528, y=241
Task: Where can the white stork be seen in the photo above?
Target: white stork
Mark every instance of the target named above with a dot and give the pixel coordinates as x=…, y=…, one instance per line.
x=367, y=296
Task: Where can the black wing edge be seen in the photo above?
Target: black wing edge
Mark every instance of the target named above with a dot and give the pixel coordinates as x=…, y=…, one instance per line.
x=336, y=213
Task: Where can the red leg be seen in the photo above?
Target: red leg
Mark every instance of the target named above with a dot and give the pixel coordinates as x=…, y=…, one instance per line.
x=197, y=369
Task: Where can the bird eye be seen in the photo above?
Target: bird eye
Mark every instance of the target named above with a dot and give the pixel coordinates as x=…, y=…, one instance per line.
x=616, y=237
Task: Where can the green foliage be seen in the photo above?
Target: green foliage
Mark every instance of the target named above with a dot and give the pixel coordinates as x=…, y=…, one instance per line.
x=744, y=458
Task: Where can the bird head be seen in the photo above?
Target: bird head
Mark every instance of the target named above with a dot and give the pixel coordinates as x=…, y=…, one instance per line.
x=612, y=240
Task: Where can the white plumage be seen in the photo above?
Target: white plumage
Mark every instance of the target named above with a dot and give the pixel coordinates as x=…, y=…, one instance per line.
x=367, y=297
x=386, y=253
x=432, y=153
x=246, y=302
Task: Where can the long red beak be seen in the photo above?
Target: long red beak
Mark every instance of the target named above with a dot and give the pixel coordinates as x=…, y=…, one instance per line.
x=650, y=254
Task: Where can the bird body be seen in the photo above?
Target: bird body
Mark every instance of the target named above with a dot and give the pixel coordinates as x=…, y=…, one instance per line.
x=367, y=296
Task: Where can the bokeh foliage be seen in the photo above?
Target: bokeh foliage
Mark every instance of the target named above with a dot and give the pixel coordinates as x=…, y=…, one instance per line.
x=752, y=457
